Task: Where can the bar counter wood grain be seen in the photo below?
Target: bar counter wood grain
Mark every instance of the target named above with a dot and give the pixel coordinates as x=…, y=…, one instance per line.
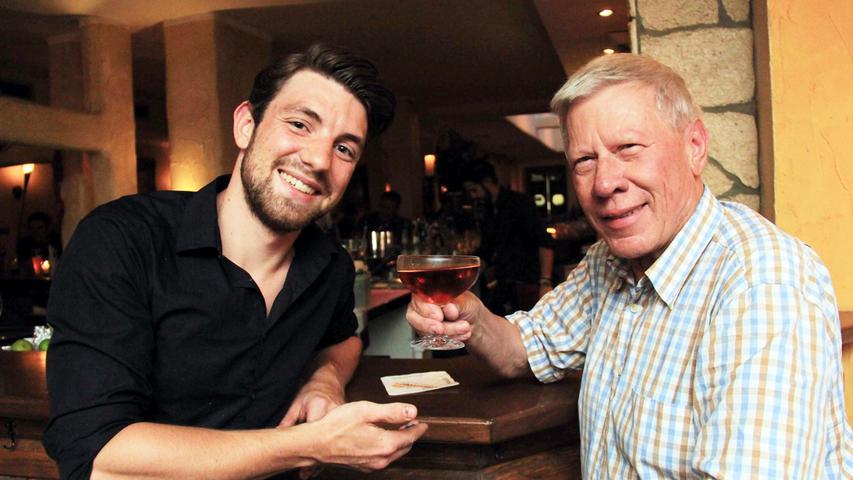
x=23, y=415
x=484, y=428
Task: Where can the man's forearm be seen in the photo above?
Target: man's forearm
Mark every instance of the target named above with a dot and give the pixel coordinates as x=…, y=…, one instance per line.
x=364, y=435
x=335, y=364
x=149, y=450
x=498, y=342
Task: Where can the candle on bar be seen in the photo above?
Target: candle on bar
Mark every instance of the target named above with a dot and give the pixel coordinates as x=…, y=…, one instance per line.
x=429, y=165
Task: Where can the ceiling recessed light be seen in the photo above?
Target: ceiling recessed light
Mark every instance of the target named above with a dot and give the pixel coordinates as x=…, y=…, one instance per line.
x=608, y=51
x=606, y=12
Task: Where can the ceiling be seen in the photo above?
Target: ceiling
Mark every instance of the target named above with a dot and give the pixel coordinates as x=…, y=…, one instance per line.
x=463, y=64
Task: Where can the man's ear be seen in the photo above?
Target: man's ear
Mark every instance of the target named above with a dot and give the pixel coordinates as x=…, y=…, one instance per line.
x=697, y=146
x=244, y=125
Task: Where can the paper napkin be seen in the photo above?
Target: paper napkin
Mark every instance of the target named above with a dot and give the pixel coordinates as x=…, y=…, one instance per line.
x=417, y=382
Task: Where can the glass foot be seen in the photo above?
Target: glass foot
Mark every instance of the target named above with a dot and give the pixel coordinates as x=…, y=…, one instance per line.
x=436, y=342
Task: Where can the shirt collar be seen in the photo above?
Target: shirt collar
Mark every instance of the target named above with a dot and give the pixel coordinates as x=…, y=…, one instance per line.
x=199, y=227
x=503, y=195
x=199, y=230
x=669, y=272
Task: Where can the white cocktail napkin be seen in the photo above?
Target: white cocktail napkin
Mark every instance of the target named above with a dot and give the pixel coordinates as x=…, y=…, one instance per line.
x=417, y=382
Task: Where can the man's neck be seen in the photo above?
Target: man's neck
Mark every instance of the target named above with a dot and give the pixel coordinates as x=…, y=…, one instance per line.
x=245, y=240
x=494, y=190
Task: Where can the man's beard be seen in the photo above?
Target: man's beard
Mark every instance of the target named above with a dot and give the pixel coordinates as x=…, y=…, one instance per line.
x=277, y=213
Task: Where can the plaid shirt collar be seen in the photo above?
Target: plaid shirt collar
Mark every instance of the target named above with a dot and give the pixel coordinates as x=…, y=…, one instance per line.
x=669, y=272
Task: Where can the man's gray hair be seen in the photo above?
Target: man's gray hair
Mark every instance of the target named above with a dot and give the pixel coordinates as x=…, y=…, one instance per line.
x=675, y=105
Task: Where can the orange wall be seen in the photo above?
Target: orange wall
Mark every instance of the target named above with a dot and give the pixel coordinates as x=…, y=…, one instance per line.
x=811, y=63
x=811, y=67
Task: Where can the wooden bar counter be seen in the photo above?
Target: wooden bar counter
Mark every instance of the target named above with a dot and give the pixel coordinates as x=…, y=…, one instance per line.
x=23, y=415
x=484, y=428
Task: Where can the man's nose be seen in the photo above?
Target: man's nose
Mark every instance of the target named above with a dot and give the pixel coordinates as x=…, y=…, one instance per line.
x=318, y=155
x=609, y=176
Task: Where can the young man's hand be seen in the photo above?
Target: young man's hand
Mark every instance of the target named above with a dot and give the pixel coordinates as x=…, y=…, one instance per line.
x=366, y=436
x=314, y=400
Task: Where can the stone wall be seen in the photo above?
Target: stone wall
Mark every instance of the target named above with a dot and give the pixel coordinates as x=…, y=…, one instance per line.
x=710, y=43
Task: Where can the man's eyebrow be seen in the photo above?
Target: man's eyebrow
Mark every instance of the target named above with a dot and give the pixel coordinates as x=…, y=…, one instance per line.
x=353, y=138
x=316, y=117
x=311, y=113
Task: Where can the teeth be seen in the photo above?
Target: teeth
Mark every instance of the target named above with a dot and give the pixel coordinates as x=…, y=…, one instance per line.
x=626, y=214
x=297, y=184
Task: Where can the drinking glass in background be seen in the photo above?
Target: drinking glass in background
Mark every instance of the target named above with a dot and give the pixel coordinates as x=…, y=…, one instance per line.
x=438, y=279
x=355, y=247
x=381, y=252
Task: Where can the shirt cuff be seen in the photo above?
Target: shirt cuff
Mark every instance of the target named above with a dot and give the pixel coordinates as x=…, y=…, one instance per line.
x=537, y=354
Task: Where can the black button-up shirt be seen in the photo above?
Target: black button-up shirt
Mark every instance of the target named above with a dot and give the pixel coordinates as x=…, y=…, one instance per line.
x=152, y=323
x=511, y=237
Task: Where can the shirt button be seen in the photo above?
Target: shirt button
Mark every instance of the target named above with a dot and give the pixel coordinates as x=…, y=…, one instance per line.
x=634, y=308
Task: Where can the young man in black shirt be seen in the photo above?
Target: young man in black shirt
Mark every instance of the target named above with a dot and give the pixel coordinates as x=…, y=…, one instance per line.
x=211, y=334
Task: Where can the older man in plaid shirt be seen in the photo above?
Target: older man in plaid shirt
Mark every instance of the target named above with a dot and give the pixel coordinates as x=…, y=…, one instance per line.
x=709, y=339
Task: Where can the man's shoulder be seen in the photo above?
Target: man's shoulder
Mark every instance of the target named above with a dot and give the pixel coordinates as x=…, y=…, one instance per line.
x=517, y=196
x=139, y=215
x=766, y=253
x=143, y=207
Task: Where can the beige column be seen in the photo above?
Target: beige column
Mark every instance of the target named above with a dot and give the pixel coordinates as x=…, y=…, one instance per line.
x=66, y=91
x=210, y=66
x=97, y=136
x=397, y=159
x=108, y=88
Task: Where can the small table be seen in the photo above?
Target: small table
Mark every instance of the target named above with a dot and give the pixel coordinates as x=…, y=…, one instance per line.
x=484, y=428
x=23, y=415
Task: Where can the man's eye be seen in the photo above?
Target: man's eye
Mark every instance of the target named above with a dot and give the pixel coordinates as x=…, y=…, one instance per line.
x=630, y=148
x=298, y=125
x=583, y=165
x=346, y=151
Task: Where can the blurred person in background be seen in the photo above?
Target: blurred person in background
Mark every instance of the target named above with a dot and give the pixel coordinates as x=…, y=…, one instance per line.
x=387, y=216
x=514, y=245
x=40, y=241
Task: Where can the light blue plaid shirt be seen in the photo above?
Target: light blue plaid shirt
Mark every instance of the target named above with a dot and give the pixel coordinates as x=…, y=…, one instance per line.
x=724, y=361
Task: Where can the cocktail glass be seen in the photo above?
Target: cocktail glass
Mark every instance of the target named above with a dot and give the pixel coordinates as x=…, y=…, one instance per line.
x=438, y=279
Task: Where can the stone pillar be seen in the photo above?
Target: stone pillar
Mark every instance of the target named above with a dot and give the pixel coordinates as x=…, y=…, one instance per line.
x=210, y=67
x=397, y=158
x=710, y=43
x=108, y=90
x=86, y=68
x=66, y=91
x=240, y=54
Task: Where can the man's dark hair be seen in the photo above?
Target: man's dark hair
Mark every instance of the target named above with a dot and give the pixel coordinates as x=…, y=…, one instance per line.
x=39, y=216
x=354, y=72
x=393, y=196
x=478, y=170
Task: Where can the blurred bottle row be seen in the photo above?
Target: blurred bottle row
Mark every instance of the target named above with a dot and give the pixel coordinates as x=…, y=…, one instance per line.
x=379, y=248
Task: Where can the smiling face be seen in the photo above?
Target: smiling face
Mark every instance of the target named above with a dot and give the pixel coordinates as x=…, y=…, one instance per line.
x=637, y=179
x=296, y=164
